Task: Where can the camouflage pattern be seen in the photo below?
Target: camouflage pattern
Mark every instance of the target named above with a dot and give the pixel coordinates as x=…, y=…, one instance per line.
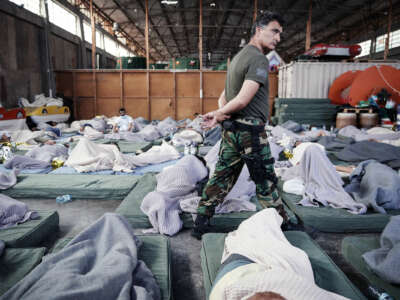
x=230, y=163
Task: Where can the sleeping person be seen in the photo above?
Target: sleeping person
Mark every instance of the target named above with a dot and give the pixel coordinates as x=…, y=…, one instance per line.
x=258, y=262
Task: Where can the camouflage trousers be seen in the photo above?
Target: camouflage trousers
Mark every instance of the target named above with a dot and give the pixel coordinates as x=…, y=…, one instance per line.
x=237, y=148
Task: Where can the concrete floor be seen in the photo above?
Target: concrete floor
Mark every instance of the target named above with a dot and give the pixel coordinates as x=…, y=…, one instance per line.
x=187, y=275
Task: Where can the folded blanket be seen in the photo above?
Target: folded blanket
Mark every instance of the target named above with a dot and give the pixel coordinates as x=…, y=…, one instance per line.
x=99, y=263
x=14, y=212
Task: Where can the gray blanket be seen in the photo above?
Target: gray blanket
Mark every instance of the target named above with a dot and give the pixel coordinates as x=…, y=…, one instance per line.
x=385, y=261
x=99, y=263
x=212, y=136
x=376, y=185
x=14, y=212
x=8, y=179
x=292, y=126
x=322, y=184
x=23, y=162
x=366, y=150
x=48, y=152
x=335, y=143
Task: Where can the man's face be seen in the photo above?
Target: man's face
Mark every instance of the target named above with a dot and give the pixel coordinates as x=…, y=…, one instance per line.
x=270, y=35
x=122, y=113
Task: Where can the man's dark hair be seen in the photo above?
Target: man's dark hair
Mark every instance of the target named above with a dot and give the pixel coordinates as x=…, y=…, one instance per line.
x=264, y=19
x=122, y=109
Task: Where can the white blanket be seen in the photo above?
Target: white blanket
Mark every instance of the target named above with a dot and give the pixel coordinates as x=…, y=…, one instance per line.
x=323, y=184
x=279, y=267
x=26, y=136
x=174, y=184
x=88, y=156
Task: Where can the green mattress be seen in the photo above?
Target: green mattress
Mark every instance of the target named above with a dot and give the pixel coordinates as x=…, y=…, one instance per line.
x=132, y=147
x=130, y=209
x=124, y=146
x=15, y=264
x=155, y=252
x=352, y=249
x=328, y=219
x=327, y=275
x=108, y=187
x=32, y=232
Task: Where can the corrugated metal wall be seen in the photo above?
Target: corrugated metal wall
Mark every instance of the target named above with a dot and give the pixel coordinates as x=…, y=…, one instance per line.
x=313, y=79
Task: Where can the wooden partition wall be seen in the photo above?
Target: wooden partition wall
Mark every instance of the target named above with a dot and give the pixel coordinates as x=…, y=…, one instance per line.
x=153, y=94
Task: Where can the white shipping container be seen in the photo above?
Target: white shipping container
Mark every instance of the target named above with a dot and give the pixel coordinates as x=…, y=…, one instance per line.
x=313, y=79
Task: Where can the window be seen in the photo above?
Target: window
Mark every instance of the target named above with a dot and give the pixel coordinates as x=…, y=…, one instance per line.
x=395, y=39
x=87, y=31
x=62, y=17
x=365, y=48
x=34, y=6
x=111, y=46
x=99, y=40
x=380, y=43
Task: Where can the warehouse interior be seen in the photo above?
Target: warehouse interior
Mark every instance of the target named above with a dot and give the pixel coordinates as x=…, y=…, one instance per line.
x=71, y=69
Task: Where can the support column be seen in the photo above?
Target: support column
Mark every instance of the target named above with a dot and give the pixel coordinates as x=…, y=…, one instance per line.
x=93, y=36
x=147, y=35
x=255, y=11
x=82, y=44
x=308, y=33
x=201, y=34
x=386, y=53
x=50, y=74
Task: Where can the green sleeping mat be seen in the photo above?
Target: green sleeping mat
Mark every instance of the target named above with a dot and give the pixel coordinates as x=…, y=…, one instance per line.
x=15, y=264
x=155, y=252
x=32, y=232
x=107, y=187
x=328, y=219
x=132, y=147
x=327, y=275
x=353, y=247
x=130, y=209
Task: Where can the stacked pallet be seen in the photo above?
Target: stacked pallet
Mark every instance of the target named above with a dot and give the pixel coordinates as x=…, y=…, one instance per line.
x=314, y=112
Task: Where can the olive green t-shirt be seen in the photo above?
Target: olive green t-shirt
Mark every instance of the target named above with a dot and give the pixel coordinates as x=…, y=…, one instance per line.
x=249, y=64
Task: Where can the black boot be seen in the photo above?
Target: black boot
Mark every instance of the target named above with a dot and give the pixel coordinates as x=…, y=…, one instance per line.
x=201, y=226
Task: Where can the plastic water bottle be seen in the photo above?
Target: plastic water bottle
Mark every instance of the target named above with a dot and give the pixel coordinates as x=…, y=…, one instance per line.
x=376, y=293
x=63, y=199
x=186, y=150
x=193, y=149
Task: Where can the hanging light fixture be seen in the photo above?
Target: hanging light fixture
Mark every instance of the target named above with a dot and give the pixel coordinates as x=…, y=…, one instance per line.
x=169, y=2
x=115, y=26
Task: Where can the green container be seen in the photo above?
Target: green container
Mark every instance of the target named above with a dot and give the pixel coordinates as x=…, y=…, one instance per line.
x=223, y=66
x=185, y=63
x=158, y=66
x=136, y=62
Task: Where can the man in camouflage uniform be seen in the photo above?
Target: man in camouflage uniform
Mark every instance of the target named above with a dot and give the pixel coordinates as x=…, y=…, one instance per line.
x=243, y=110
